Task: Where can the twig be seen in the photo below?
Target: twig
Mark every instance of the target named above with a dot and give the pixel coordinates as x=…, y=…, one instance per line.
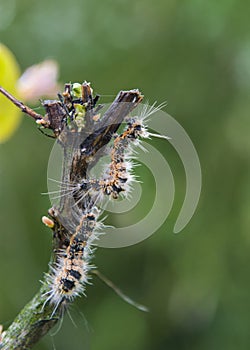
x=25, y=109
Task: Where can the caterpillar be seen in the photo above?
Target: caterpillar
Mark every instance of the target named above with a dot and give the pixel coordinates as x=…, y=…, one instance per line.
x=118, y=176
x=68, y=277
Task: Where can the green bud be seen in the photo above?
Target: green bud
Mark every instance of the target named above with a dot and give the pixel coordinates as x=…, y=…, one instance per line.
x=76, y=90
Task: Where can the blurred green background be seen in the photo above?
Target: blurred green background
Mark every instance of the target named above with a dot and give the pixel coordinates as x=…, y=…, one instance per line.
x=196, y=56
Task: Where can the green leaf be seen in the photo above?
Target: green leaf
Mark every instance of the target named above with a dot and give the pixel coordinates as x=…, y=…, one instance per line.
x=10, y=116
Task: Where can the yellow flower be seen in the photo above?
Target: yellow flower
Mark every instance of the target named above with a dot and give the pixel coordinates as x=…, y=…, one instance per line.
x=10, y=116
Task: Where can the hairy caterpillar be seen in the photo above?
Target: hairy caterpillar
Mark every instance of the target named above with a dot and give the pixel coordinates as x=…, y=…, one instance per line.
x=70, y=273
x=118, y=175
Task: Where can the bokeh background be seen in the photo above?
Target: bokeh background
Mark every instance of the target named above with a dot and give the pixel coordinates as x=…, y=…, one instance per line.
x=195, y=55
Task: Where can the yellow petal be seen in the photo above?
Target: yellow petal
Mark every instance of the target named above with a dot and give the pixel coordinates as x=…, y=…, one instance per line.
x=10, y=116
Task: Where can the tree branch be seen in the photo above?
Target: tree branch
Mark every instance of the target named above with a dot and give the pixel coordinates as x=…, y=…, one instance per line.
x=39, y=316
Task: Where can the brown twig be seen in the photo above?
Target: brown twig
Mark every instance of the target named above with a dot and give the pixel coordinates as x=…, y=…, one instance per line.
x=25, y=109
